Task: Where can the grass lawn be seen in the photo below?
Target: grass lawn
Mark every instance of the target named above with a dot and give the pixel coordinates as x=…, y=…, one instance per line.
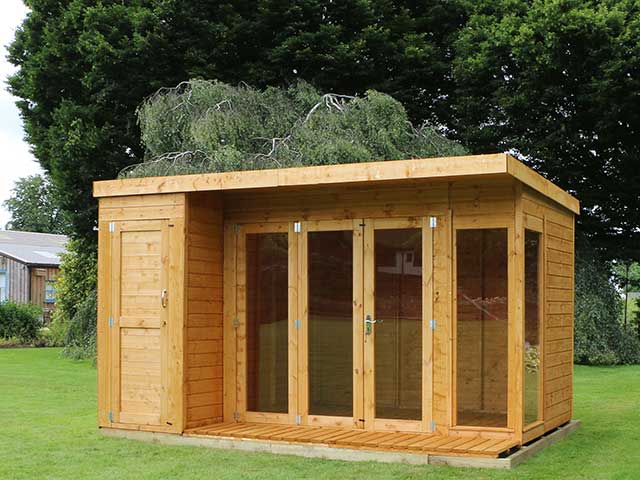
x=48, y=430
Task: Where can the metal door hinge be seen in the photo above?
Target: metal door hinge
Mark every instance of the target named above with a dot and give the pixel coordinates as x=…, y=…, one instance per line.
x=433, y=222
x=236, y=416
x=297, y=227
x=236, y=228
x=432, y=324
x=298, y=419
x=236, y=323
x=110, y=417
x=433, y=426
x=298, y=324
x=110, y=321
x=112, y=227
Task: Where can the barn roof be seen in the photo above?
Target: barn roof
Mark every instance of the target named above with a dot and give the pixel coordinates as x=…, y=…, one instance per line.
x=444, y=168
x=32, y=248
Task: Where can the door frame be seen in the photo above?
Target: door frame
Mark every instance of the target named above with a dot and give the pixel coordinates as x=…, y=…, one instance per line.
x=358, y=318
x=298, y=345
x=241, y=329
x=371, y=225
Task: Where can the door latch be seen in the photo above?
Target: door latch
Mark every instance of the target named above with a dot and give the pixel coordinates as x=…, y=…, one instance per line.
x=368, y=322
x=163, y=298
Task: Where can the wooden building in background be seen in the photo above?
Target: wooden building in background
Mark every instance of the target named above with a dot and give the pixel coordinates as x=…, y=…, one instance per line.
x=29, y=265
x=421, y=306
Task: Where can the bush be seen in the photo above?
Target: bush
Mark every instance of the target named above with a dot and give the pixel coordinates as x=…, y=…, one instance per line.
x=20, y=321
x=600, y=338
x=73, y=324
x=80, y=339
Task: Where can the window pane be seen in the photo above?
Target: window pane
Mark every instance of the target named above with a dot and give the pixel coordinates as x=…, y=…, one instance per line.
x=3, y=286
x=267, y=321
x=330, y=297
x=532, y=354
x=482, y=328
x=398, y=339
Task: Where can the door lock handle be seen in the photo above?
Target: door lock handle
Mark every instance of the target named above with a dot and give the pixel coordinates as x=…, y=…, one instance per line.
x=163, y=298
x=368, y=321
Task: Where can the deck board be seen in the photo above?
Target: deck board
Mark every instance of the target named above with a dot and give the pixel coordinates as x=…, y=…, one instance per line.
x=427, y=443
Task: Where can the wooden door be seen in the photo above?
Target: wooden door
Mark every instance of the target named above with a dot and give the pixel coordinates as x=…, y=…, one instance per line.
x=397, y=332
x=266, y=306
x=139, y=314
x=330, y=358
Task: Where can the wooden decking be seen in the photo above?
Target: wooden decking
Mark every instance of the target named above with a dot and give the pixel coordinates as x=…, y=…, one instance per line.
x=431, y=444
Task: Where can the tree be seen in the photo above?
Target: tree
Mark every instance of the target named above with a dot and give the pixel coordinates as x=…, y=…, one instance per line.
x=33, y=207
x=84, y=66
x=559, y=82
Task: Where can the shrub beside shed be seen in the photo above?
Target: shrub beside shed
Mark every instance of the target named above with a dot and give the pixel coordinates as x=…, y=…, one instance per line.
x=420, y=306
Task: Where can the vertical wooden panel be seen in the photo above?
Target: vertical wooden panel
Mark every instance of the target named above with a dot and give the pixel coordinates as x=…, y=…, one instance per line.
x=303, y=332
x=369, y=340
x=229, y=332
x=516, y=319
x=427, y=332
x=293, y=317
x=103, y=343
x=442, y=301
x=203, y=332
x=358, y=329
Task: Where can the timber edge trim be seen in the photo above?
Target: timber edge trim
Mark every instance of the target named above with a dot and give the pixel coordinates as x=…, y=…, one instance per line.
x=349, y=454
x=352, y=173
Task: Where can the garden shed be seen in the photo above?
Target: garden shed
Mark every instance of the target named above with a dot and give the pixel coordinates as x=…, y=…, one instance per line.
x=421, y=307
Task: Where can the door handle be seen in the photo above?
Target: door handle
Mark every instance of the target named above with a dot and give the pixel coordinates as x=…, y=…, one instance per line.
x=367, y=324
x=163, y=298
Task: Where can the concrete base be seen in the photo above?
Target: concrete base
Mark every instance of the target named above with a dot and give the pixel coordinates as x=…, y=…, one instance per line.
x=348, y=454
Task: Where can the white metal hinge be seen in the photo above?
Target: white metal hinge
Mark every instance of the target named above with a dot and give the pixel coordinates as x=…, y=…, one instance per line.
x=110, y=321
x=236, y=416
x=298, y=324
x=112, y=227
x=432, y=324
x=297, y=227
x=236, y=228
x=236, y=323
x=111, y=417
x=433, y=222
x=298, y=419
x=433, y=426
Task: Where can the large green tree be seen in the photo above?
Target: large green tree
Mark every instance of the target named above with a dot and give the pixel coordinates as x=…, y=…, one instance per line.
x=85, y=65
x=33, y=206
x=558, y=81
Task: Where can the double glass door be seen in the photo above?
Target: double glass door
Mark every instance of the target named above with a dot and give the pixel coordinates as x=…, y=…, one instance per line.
x=334, y=323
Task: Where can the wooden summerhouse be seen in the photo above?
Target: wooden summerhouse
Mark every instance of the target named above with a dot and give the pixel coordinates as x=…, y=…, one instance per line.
x=421, y=307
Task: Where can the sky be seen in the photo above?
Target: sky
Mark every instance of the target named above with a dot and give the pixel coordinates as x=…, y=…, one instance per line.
x=15, y=158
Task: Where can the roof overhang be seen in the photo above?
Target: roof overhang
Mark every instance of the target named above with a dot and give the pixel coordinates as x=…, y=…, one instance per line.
x=443, y=168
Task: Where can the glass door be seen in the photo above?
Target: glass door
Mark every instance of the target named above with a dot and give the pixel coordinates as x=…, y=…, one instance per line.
x=266, y=357
x=397, y=334
x=330, y=349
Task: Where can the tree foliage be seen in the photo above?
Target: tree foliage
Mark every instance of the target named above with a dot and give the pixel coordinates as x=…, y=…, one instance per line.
x=203, y=126
x=558, y=81
x=33, y=206
x=600, y=337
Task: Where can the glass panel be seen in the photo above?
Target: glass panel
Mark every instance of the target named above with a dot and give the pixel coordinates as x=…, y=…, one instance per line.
x=482, y=328
x=398, y=339
x=267, y=321
x=330, y=296
x=3, y=286
x=532, y=354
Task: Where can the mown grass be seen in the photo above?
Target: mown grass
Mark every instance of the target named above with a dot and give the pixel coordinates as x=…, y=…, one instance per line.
x=48, y=430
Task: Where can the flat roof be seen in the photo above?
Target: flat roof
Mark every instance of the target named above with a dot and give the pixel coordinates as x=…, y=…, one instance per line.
x=441, y=168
